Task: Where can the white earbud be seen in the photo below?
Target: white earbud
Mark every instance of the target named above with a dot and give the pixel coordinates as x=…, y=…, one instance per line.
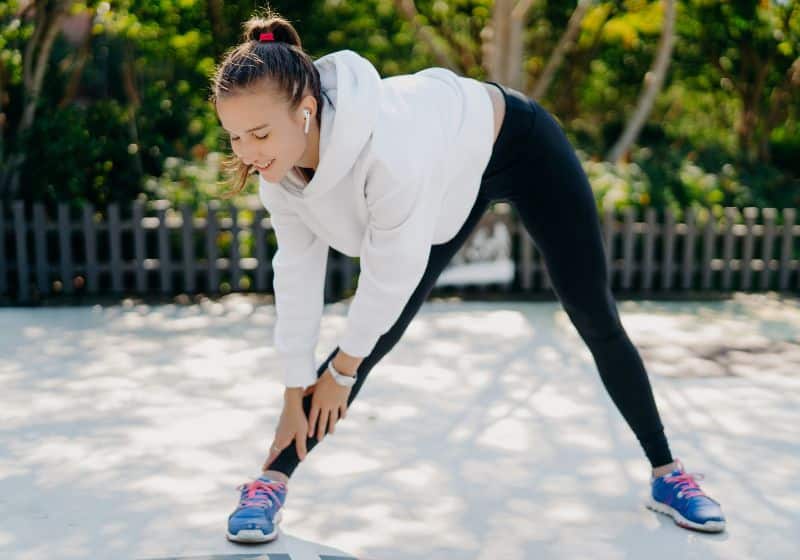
x=308, y=121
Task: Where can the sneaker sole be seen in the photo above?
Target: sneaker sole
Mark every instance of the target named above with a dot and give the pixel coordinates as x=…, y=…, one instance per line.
x=708, y=526
x=256, y=535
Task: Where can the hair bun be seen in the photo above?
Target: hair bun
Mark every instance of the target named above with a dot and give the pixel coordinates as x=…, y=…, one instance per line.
x=282, y=30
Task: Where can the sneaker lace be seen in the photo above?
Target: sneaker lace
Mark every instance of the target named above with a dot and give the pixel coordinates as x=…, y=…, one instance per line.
x=686, y=483
x=260, y=493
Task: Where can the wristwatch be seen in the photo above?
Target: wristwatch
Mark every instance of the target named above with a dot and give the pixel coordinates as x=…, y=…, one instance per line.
x=340, y=378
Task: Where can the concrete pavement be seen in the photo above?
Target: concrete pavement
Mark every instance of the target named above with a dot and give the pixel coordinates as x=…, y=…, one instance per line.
x=486, y=433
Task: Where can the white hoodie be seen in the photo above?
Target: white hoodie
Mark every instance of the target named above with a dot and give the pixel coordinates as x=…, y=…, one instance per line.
x=400, y=165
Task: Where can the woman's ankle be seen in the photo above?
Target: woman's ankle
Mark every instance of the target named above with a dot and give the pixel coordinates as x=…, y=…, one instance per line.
x=664, y=469
x=276, y=475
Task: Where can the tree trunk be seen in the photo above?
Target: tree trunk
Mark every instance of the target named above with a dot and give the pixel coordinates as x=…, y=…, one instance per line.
x=503, y=42
x=49, y=16
x=441, y=54
x=132, y=93
x=81, y=58
x=516, y=43
x=495, y=40
x=51, y=27
x=654, y=80
x=566, y=104
x=562, y=48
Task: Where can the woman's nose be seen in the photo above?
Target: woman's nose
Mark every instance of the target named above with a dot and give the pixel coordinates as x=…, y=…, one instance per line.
x=247, y=155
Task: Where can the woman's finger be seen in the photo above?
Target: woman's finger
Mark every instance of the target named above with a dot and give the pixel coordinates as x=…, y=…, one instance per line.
x=300, y=444
x=275, y=449
x=312, y=419
x=323, y=420
x=333, y=419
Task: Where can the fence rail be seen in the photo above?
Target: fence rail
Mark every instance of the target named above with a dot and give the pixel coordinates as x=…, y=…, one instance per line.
x=223, y=248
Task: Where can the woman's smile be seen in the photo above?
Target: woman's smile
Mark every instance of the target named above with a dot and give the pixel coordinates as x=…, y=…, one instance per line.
x=260, y=169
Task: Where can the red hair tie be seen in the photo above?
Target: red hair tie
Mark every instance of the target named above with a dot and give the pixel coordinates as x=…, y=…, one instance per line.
x=264, y=37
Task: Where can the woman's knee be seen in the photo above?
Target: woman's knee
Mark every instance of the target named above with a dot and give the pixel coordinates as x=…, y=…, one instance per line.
x=595, y=318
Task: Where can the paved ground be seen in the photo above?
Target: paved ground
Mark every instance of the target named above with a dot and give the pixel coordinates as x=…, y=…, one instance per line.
x=486, y=433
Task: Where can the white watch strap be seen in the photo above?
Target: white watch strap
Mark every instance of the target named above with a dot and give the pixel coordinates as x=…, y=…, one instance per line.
x=340, y=378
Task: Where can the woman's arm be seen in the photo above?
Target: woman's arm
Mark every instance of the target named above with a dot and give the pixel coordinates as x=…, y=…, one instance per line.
x=393, y=256
x=298, y=283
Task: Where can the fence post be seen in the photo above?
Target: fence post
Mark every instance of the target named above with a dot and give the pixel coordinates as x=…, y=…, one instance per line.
x=139, y=246
x=211, y=247
x=767, y=246
x=708, y=249
x=786, y=248
x=668, y=246
x=65, y=247
x=3, y=266
x=115, y=246
x=727, y=250
x=187, y=230
x=745, y=265
x=627, y=247
x=688, y=249
x=164, y=264
x=22, y=250
x=235, y=271
x=649, y=246
x=90, y=243
x=40, y=240
x=261, y=250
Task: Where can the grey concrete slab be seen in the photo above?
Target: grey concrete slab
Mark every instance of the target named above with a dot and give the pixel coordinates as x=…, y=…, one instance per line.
x=486, y=433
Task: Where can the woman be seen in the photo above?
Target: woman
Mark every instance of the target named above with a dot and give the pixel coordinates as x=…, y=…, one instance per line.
x=398, y=171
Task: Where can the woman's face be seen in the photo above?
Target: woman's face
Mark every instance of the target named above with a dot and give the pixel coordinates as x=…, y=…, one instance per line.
x=264, y=132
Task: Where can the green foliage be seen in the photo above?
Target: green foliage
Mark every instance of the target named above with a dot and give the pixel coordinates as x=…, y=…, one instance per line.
x=141, y=123
x=81, y=154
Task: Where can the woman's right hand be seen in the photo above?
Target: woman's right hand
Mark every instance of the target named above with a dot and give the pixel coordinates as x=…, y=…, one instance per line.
x=293, y=425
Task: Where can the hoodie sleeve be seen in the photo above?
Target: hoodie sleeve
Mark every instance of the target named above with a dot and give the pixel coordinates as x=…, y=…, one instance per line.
x=298, y=283
x=393, y=257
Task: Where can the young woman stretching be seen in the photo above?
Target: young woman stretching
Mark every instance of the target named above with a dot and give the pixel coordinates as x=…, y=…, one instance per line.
x=398, y=171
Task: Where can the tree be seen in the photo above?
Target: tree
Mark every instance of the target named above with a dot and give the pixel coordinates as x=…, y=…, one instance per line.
x=752, y=49
x=654, y=80
x=564, y=45
x=48, y=16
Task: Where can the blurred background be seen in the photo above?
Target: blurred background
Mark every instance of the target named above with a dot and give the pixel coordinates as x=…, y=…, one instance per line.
x=670, y=104
x=106, y=101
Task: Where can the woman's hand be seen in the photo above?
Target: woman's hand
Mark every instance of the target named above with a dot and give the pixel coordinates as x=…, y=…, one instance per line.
x=292, y=425
x=328, y=405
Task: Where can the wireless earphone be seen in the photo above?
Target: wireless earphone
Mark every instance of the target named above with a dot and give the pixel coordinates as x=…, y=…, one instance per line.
x=308, y=121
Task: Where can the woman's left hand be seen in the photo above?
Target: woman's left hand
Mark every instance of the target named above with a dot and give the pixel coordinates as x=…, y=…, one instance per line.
x=328, y=405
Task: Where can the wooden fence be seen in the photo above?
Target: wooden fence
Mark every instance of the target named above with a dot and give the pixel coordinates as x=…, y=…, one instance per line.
x=154, y=248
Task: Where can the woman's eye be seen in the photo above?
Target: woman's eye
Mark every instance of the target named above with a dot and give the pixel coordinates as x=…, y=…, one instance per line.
x=256, y=135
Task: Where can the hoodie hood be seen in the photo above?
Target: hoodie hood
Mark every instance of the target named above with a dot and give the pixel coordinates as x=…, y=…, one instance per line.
x=351, y=97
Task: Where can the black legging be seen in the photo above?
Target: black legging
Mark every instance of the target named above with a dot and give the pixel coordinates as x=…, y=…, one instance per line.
x=534, y=167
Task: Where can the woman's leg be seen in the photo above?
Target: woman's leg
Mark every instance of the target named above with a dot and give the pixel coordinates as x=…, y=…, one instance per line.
x=556, y=205
x=439, y=257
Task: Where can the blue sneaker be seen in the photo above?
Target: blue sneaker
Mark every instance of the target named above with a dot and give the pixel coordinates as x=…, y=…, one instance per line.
x=678, y=495
x=256, y=518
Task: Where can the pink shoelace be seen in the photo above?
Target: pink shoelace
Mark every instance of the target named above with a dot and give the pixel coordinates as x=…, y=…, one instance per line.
x=686, y=483
x=260, y=493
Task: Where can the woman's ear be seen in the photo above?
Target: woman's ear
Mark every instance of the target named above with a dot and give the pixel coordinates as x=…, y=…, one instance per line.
x=309, y=103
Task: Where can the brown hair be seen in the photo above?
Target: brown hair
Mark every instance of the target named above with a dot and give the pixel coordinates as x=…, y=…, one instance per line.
x=282, y=61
